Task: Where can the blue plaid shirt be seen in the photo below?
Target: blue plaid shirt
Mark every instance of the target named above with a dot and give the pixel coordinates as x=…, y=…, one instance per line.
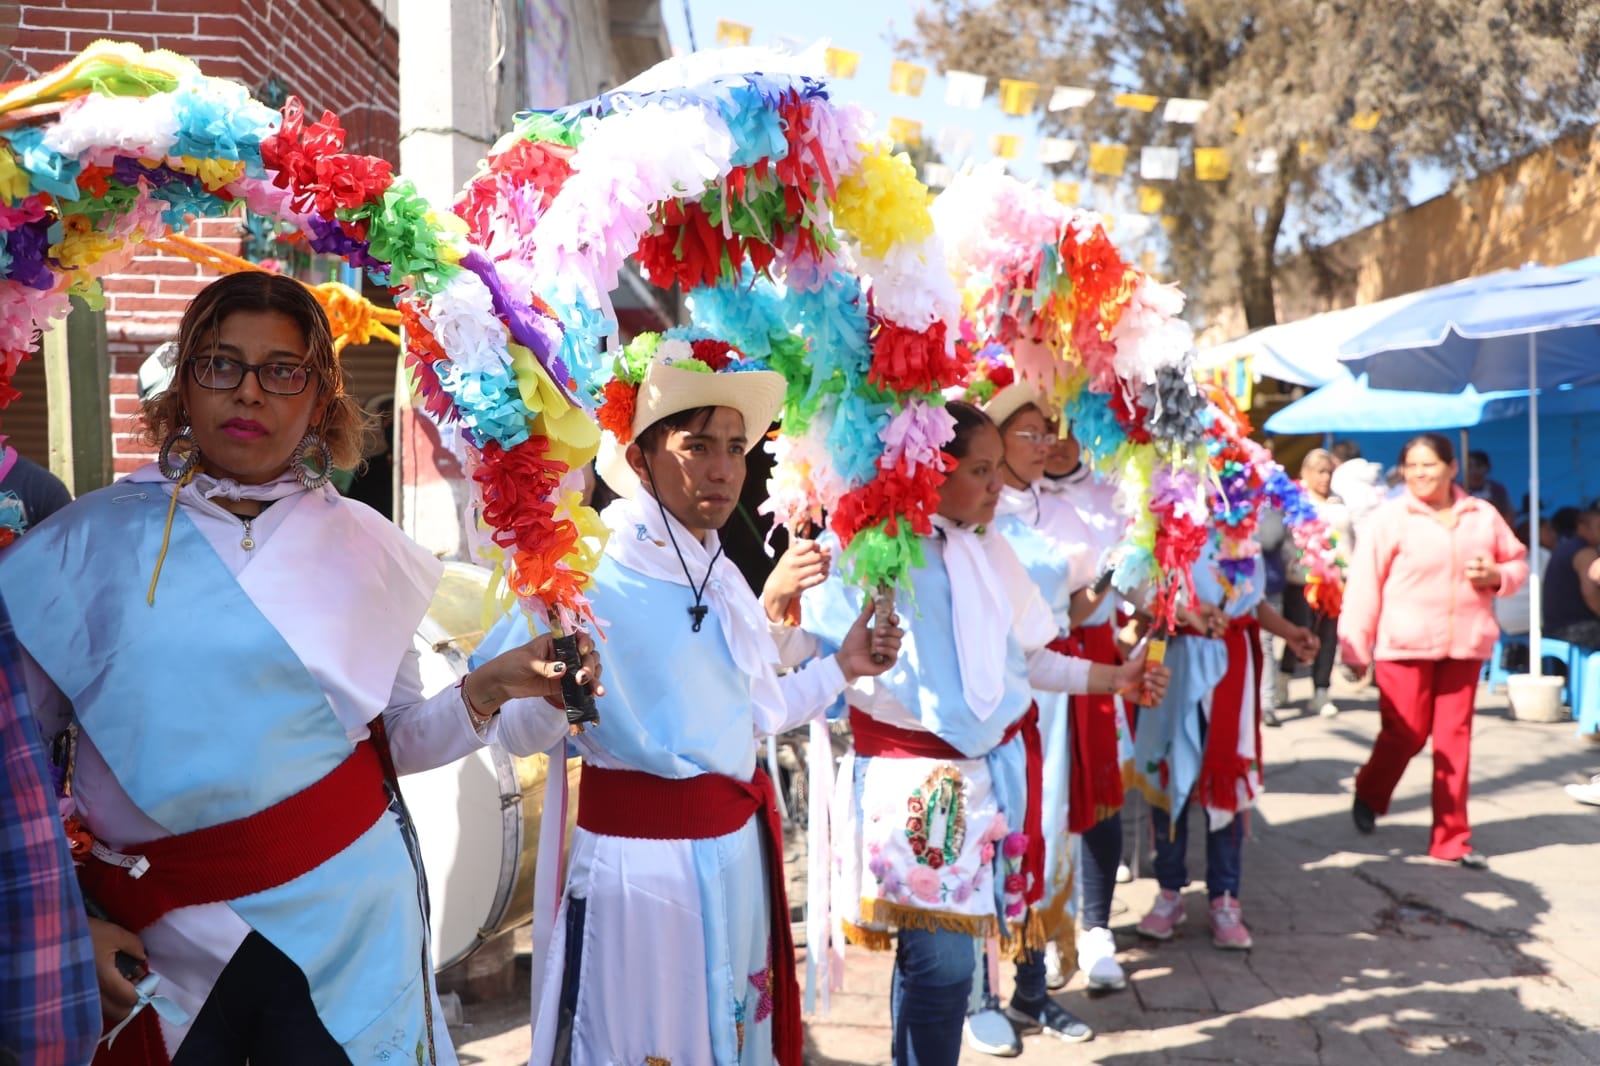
x=49, y=999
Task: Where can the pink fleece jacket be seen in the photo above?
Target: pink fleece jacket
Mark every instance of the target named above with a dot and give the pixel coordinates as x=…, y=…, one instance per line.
x=1407, y=595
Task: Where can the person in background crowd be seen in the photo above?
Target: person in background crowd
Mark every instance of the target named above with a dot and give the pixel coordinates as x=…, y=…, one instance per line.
x=373, y=483
x=1482, y=486
x=1417, y=606
x=1572, y=585
x=1355, y=481
x=49, y=997
x=37, y=491
x=1316, y=476
x=1272, y=535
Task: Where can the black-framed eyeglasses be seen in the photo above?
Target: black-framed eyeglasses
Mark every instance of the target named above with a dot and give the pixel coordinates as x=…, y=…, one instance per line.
x=220, y=373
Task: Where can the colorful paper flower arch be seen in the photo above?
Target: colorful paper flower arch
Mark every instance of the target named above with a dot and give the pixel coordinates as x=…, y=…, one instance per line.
x=725, y=181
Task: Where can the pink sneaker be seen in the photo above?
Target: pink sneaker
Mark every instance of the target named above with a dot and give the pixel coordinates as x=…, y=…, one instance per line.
x=1166, y=915
x=1227, y=924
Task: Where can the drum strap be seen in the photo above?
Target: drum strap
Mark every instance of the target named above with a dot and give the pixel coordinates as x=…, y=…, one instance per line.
x=640, y=806
x=223, y=862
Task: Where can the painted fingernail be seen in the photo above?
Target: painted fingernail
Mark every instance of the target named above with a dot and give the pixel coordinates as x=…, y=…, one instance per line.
x=583, y=677
x=558, y=668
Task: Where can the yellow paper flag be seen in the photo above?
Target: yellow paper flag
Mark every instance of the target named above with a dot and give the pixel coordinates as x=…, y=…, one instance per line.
x=1150, y=199
x=906, y=79
x=841, y=63
x=905, y=131
x=1366, y=121
x=1006, y=145
x=1065, y=192
x=1137, y=101
x=1212, y=164
x=1169, y=222
x=1108, y=159
x=1147, y=262
x=1018, y=97
x=732, y=34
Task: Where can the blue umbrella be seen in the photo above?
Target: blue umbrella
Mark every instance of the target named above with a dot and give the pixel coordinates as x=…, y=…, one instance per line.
x=1511, y=330
x=1352, y=405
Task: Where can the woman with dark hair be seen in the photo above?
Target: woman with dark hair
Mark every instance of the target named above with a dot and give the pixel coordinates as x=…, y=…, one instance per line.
x=1419, y=606
x=937, y=821
x=222, y=647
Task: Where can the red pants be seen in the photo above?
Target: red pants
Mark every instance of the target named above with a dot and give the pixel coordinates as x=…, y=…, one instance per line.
x=1419, y=698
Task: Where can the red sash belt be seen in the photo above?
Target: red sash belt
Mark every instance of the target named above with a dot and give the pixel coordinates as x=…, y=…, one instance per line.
x=1095, y=781
x=1223, y=767
x=641, y=806
x=876, y=739
x=240, y=858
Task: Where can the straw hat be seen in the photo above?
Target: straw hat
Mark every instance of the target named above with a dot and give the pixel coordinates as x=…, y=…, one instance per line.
x=1010, y=399
x=666, y=389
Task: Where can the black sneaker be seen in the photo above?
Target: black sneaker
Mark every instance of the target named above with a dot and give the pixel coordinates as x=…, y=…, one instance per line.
x=1048, y=1017
x=1365, y=817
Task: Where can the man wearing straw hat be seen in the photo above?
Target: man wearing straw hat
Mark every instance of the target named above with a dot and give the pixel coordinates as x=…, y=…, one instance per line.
x=672, y=941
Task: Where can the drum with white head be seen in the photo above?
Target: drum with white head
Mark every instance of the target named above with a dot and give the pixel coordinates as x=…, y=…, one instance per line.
x=477, y=819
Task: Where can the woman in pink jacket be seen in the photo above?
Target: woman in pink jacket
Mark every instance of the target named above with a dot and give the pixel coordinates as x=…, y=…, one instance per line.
x=1418, y=605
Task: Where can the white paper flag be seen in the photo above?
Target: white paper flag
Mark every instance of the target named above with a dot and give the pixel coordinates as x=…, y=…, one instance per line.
x=955, y=143
x=1159, y=164
x=937, y=175
x=1066, y=97
x=1132, y=227
x=1182, y=109
x=1057, y=150
x=964, y=89
x=1264, y=161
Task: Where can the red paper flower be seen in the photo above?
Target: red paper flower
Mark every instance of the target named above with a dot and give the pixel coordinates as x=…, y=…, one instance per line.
x=618, y=399
x=905, y=360
x=713, y=353
x=934, y=859
x=519, y=487
x=1014, y=884
x=890, y=498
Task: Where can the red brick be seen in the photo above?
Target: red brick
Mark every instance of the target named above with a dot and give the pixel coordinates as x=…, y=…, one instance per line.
x=128, y=464
x=126, y=367
x=35, y=17
x=185, y=288
x=150, y=305
x=121, y=283
x=165, y=265
x=115, y=5
x=227, y=27
x=201, y=7
x=126, y=22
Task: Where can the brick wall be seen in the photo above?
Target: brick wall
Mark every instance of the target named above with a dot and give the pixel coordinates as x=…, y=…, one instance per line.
x=333, y=54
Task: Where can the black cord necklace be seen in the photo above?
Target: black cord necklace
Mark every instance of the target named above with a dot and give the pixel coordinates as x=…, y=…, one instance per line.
x=697, y=613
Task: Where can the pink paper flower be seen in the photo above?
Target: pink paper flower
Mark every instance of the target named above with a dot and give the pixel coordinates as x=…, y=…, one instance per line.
x=1016, y=845
x=997, y=828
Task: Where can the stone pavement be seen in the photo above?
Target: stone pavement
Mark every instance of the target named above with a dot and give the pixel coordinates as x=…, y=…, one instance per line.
x=1366, y=953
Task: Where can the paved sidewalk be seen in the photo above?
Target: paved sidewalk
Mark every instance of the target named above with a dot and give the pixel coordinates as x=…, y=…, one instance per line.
x=1366, y=953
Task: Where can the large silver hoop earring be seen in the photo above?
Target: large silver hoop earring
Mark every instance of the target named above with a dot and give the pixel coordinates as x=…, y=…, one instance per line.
x=313, y=461
x=179, y=454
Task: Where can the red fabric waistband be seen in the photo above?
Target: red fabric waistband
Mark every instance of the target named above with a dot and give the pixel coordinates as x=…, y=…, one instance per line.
x=878, y=739
x=240, y=858
x=641, y=806
x=1094, y=783
x=1242, y=622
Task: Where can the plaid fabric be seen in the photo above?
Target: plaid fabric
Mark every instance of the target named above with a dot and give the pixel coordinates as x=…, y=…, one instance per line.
x=49, y=1001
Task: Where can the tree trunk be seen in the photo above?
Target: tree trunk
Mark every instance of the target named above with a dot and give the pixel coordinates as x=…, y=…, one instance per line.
x=1258, y=266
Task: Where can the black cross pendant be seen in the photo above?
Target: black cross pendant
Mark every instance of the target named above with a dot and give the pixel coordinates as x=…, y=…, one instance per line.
x=698, y=613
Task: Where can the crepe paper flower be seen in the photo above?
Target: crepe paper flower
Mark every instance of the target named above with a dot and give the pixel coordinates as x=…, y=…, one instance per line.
x=882, y=203
x=48, y=170
x=13, y=179
x=28, y=245
x=145, y=126
x=904, y=360
x=915, y=438
x=1015, y=845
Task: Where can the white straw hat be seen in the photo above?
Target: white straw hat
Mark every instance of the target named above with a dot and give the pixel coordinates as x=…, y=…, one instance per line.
x=1012, y=398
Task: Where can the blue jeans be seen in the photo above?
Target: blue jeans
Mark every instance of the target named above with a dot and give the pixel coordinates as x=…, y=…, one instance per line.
x=928, y=999
x=1100, y=856
x=1224, y=853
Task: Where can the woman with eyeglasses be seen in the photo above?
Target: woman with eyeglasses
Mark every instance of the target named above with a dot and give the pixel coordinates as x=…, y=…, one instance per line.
x=1418, y=605
x=1082, y=772
x=222, y=647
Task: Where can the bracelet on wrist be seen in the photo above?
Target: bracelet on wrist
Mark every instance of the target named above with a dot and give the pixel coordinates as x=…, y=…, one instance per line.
x=479, y=719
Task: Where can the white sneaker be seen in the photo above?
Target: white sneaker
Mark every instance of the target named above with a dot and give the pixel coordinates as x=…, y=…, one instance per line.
x=1097, y=958
x=1325, y=707
x=991, y=1032
x=1124, y=874
x=1589, y=793
x=1054, y=979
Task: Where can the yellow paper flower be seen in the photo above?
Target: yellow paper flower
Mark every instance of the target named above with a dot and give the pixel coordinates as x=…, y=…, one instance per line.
x=213, y=173
x=574, y=438
x=883, y=204
x=81, y=245
x=13, y=181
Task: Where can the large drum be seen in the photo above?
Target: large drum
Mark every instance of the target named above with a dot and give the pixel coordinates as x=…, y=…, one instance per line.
x=478, y=818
